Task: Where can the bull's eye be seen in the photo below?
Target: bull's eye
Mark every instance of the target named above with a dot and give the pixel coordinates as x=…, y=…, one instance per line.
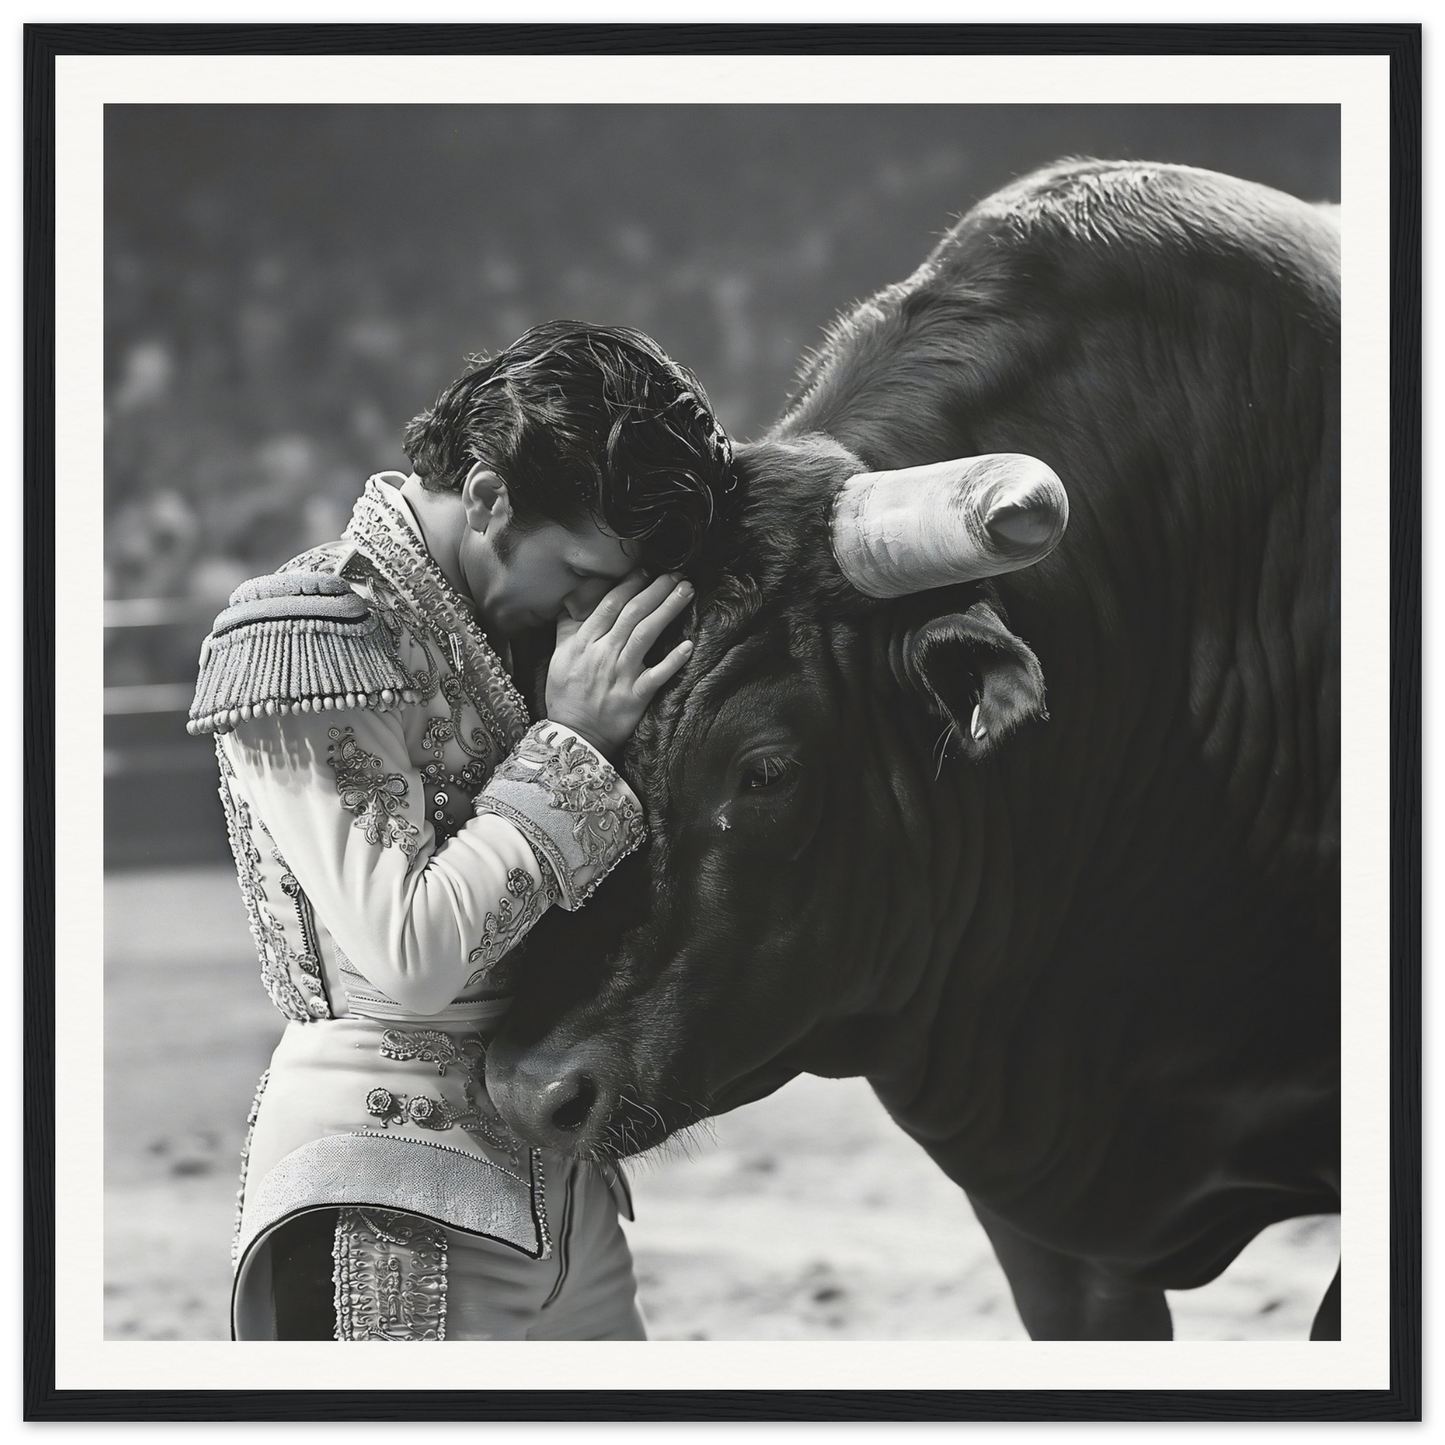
x=766, y=772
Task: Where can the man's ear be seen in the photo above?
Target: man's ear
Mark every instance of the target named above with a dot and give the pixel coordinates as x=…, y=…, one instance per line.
x=484, y=499
x=978, y=674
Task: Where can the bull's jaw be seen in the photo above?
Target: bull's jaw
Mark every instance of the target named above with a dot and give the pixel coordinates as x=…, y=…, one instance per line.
x=756, y=1084
x=588, y=1086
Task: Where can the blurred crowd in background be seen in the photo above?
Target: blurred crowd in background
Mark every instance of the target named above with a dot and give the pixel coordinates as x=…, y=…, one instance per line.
x=286, y=285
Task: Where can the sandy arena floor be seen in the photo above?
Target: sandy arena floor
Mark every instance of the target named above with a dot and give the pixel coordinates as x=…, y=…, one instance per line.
x=806, y=1216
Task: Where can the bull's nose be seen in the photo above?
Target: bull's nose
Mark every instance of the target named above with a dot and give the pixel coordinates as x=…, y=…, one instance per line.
x=552, y=1098
x=567, y=1102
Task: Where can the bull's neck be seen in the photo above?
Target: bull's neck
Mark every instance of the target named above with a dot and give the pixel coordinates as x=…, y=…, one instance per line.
x=979, y=883
x=988, y=916
x=961, y=882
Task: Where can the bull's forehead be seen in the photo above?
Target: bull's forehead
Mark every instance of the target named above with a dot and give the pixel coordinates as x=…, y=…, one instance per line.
x=756, y=654
x=756, y=659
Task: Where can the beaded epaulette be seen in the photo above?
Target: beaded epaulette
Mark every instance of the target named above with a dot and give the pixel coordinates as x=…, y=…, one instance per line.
x=294, y=642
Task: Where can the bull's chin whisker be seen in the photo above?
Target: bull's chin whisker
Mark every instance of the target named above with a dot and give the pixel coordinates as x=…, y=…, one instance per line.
x=632, y=1120
x=687, y=1142
x=683, y=1144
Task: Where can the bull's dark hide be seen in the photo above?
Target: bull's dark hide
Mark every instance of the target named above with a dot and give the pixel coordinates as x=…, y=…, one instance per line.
x=1090, y=960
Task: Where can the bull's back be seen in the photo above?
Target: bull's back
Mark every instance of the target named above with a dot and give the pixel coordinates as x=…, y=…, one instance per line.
x=1168, y=340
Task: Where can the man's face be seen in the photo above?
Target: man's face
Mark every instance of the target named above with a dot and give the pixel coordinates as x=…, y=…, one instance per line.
x=523, y=579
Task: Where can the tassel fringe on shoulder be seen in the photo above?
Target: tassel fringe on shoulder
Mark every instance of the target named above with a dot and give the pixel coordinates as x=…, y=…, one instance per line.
x=294, y=642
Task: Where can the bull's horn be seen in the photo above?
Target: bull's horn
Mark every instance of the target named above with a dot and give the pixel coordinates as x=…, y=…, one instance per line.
x=923, y=527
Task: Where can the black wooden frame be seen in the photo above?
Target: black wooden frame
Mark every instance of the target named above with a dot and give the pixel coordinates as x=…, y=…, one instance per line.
x=1401, y=1401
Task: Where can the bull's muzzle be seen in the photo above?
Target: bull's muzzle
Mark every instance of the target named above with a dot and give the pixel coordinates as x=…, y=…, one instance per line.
x=553, y=1098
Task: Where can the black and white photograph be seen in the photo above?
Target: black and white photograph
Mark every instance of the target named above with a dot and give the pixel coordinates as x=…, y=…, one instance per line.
x=722, y=723
x=288, y=287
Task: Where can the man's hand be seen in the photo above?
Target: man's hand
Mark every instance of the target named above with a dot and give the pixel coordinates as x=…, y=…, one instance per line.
x=597, y=685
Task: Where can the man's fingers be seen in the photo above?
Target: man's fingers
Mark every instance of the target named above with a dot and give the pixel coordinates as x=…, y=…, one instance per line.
x=643, y=604
x=648, y=682
x=600, y=620
x=651, y=626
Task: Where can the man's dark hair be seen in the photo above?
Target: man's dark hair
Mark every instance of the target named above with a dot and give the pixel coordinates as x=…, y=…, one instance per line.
x=586, y=421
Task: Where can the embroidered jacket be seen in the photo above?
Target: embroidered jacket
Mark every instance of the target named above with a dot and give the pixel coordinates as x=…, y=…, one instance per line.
x=399, y=824
x=378, y=770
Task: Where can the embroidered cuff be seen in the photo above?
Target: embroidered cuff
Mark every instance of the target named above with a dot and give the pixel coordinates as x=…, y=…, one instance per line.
x=570, y=804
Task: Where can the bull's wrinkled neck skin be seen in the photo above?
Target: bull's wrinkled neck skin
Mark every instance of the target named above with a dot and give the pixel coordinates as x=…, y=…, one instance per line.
x=958, y=901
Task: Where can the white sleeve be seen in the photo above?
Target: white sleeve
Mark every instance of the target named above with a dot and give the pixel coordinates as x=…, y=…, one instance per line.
x=346, y=808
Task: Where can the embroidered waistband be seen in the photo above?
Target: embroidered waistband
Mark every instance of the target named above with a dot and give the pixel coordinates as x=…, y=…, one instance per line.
x=471, y=1011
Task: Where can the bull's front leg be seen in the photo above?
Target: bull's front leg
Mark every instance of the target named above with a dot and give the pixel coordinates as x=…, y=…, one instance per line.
x=1062, y=1298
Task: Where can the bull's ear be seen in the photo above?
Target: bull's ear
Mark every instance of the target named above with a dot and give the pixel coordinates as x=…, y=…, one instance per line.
x=983, y=678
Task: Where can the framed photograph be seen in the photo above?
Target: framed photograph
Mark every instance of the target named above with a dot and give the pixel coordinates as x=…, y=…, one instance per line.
x=1001, y=997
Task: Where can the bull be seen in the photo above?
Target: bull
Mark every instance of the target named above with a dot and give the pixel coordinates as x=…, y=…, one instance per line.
x=1050, y=854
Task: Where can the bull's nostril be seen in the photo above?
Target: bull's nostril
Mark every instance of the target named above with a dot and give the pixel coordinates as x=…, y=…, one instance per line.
x=573, y=1114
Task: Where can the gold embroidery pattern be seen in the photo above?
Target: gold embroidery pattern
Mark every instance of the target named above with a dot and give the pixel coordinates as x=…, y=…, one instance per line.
x=275, y=954
x=479, y=746
x=385, y=539
x=439, y=731
x=308, y=961
x=523, y=904
x=318, y=559
x=438, y=781
x=425, y=1111
x=433, y=1046
x=390, y=1276
x=608, y=824
x=422, y=1110
x=251, y=1118
x=376, y=798
x=397, y=620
